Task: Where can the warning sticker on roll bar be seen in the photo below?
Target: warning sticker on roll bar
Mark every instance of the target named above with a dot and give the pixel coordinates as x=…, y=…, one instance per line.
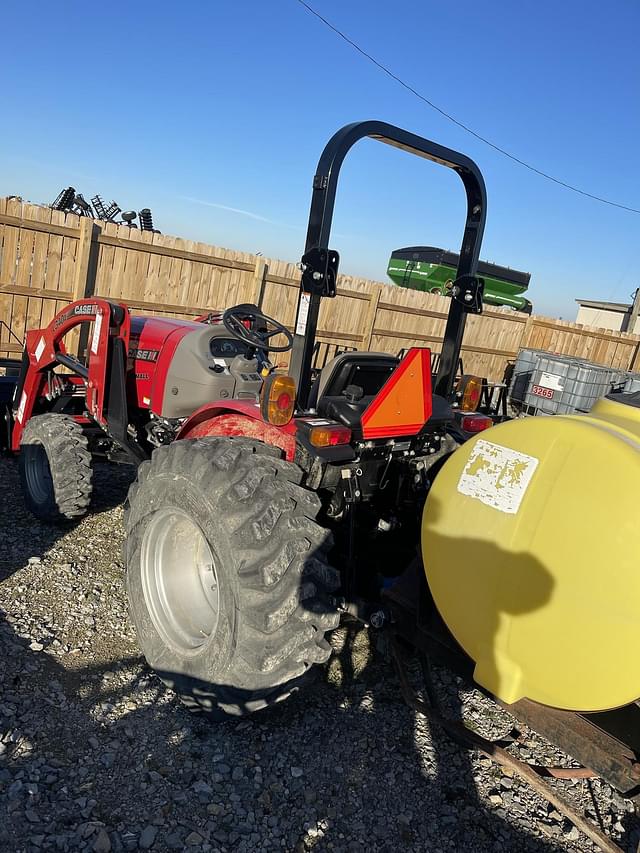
x=497, y=476
x=303, y=313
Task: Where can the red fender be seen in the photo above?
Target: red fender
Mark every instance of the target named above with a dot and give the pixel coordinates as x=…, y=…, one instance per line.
x=238, y=417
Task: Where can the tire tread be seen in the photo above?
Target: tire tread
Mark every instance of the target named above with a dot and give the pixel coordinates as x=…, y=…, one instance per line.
x=70, y=464
x=284, y=578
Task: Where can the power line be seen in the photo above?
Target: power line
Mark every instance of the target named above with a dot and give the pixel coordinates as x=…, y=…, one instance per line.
x=455, y=121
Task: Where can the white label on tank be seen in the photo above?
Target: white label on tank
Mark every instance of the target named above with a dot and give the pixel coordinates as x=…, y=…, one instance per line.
x=551, y=380
x=303, y=313
x=497, y=476
x=40, y=349
x=95, y=340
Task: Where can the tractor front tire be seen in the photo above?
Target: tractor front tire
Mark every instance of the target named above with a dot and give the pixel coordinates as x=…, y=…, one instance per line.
x=55, y=468
x=227, y=574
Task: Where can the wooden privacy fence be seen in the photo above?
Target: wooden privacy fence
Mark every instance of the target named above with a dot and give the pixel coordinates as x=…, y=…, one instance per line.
x=48, y=259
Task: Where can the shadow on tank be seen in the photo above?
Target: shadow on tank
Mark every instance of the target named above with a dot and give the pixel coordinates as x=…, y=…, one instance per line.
x=496, y=588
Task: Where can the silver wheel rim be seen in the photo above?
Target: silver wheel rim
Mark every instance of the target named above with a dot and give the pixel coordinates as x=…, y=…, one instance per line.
x=37, y=472
x=179, y=580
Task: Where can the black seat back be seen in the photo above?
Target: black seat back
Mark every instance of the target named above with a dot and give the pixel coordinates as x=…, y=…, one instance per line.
x=368, y=371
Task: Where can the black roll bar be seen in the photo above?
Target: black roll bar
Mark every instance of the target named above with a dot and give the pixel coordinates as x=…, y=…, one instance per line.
x=325, y=184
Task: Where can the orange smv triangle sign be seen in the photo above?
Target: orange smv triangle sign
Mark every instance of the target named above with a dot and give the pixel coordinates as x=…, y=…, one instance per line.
x=403, y=404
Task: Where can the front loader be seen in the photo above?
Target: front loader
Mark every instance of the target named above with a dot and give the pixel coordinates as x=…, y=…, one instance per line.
x=267, y=506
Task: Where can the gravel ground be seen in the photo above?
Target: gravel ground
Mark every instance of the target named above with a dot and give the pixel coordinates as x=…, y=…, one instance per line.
x=96, y=755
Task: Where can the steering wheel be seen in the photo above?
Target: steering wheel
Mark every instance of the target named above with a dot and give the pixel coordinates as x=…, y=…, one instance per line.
x=259, y=337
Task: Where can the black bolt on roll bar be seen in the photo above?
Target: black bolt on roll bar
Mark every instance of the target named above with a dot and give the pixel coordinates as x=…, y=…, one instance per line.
x=320, y=264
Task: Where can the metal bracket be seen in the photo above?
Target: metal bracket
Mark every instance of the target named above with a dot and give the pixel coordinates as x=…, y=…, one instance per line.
x=468, y=291
x=320, y=271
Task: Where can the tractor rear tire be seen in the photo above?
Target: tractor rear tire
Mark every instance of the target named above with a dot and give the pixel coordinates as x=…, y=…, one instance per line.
x=227, y=574
x=55, y=468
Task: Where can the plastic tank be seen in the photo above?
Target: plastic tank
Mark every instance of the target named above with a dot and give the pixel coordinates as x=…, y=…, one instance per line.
x=530, y=546
x=525, y=364
x=562, y=384
x=631, y=383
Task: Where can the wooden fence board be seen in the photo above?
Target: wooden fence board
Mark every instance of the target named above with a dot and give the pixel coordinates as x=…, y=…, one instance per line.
x=40, y=250
x=8, y=269
x=40, y=311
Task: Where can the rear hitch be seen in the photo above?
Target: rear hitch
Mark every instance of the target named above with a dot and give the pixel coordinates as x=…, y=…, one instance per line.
x=369, y=615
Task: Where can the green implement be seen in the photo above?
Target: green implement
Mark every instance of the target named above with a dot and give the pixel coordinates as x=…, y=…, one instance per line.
x=434, y=270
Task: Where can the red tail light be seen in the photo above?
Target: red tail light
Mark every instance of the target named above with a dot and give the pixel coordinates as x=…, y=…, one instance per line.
x=330, y=435
x=475, y=423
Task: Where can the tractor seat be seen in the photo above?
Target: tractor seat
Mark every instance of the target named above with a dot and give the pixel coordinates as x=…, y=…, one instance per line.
x=350, y=372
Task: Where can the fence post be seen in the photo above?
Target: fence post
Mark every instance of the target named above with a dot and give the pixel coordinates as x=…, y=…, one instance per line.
x=259, y=280
x=372, y=312
x=82, y=281
x=526, y=328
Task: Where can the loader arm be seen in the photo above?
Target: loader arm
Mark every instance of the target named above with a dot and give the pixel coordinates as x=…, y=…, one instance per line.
x=103, y=375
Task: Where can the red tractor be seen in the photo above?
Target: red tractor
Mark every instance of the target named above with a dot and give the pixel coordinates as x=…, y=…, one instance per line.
x=265, y=505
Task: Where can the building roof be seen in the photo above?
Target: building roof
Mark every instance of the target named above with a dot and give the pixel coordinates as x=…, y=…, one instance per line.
x=621, y=307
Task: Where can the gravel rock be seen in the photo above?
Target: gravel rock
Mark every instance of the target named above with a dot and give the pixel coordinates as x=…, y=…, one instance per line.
x=102, y=844
x=97, y=755
x=147, y=837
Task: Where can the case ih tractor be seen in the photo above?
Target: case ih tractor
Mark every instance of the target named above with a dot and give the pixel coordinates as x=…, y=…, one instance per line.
x=266, y=506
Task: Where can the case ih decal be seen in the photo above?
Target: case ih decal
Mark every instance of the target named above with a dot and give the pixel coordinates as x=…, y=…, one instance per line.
x=88, y=309
x=144, y=354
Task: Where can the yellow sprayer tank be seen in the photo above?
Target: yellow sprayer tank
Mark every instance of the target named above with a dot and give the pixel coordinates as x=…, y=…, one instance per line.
x=530, y=541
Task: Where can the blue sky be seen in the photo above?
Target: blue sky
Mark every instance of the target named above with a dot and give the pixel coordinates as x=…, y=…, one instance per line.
x=214, y=114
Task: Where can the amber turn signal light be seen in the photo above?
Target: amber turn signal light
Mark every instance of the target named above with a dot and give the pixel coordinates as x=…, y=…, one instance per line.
x=469, y=391
x=277, y=399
